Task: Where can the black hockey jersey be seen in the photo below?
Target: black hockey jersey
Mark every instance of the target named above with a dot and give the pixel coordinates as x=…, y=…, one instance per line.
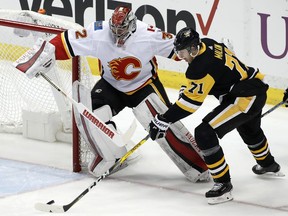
x=214, y=71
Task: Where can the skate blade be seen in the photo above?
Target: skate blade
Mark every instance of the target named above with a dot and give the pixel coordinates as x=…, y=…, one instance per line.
x=273, y=174
x=221, y=199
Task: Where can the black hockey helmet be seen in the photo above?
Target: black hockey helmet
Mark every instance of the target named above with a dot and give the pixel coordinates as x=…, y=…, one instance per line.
x=185, y=38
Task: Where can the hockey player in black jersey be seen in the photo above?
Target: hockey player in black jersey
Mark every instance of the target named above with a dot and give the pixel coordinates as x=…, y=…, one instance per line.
x=215, y=70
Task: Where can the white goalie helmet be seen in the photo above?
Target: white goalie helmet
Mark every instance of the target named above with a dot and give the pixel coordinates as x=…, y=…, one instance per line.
x=122, y=24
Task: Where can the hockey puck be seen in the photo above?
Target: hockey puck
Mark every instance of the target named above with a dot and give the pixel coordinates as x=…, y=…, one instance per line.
x=51, y=202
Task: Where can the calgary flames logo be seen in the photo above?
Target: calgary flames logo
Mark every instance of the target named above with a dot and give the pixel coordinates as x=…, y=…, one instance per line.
x=120, y=66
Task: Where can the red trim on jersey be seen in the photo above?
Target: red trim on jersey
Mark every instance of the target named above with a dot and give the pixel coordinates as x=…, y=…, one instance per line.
x=60, y=51
x=100, y=67
x=149, y=81
x=155, y=64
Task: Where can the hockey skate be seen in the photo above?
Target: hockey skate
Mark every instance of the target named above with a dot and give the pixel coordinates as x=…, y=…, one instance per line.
x=221, y=192
x=272, y=170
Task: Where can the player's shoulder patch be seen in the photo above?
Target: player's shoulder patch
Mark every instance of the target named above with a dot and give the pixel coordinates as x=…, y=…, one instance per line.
x=98, y=25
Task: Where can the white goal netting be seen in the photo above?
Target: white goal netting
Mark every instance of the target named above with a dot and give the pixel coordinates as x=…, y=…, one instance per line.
x=18, y=93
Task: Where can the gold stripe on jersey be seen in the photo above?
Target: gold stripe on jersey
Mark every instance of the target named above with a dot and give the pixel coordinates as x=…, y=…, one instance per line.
x=221, y=173
x=218, y=169
x=260, y=76
x=261, y=154
x=195, y=93
x=241, y=105
x=262, y=158
x=185, y=105
x=255, y=152
x=202, y=49
x=197, y=90
x=65, y=45
x=217, y=164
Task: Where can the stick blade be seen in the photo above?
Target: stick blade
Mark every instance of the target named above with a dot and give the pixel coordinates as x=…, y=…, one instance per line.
x=49, y=208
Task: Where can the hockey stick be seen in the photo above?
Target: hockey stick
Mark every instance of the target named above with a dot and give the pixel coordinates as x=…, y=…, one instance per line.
x=273, y=108
x=50, y=207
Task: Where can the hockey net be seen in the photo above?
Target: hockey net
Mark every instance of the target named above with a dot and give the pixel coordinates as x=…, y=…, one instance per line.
x=20, y=95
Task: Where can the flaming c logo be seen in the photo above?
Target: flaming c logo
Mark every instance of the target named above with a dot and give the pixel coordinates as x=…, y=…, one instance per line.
x=119, y=68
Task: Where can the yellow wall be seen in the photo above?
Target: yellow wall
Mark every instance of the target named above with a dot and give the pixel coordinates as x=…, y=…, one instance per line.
x=174, y=80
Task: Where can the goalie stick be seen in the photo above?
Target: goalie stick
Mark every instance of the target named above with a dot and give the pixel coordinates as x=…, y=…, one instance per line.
x=110, y=133
x=50, y=207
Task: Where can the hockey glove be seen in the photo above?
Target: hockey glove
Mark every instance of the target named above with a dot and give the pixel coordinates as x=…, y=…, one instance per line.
x=181, y=90
x=40, y=58
x=158, y=127
x=285, y=97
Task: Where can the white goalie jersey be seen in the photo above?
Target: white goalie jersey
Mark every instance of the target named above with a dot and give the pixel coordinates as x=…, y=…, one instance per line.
x=126, y=68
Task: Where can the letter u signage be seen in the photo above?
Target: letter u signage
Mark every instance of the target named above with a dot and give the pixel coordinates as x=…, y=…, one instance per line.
x=264, y=42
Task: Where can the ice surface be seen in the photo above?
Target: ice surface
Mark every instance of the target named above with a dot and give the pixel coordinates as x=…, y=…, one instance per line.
x=153, y=186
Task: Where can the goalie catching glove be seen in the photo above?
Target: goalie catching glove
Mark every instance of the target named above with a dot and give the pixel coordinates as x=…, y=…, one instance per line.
x=158, y=127
x=39, y=59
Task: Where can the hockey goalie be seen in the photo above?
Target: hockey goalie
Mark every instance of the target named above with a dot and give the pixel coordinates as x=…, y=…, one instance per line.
x=126, y=48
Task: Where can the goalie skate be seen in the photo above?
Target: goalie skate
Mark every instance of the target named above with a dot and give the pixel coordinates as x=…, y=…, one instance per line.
x=221, y=192
x=272, y=170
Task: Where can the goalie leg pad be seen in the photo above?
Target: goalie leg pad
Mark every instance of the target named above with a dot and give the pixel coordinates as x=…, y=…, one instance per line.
x=105, y=152
x=179, y=143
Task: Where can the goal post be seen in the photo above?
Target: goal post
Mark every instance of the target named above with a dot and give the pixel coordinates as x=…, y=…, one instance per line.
x=19, y=95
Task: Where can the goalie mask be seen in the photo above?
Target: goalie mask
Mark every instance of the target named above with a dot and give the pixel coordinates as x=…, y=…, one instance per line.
x=122, y=24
